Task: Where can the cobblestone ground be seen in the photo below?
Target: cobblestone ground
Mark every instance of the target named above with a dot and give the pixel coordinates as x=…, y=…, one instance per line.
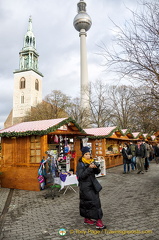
x=130, y=204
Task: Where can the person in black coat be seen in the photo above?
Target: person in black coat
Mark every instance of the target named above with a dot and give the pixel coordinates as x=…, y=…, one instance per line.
x=156, y=153
x=140, y=156
x=126, y=161
x=90, y=205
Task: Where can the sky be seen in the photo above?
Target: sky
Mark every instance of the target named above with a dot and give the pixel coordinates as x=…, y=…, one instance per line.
x=57, y=42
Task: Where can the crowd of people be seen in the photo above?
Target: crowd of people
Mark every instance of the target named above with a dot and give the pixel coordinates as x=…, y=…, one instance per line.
x=137, y=156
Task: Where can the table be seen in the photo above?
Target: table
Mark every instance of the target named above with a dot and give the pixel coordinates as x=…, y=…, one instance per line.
x=70, y=180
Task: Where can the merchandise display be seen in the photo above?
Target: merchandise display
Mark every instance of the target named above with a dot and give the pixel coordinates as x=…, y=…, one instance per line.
x=101, y=161
x=57, y=163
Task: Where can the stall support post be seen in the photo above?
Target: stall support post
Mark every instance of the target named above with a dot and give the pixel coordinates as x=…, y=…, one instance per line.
x=93, y=148
x=78, y=153
x=28, y=146
x=104, y=147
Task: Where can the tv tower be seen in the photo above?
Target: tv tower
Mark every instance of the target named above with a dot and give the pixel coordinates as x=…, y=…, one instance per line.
x=82, y=23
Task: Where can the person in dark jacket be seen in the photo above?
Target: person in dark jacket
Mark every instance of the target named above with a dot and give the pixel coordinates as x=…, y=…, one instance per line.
x=147, y=163
x=125, y=152
x=90, y=205
x=156, y=153
x=140, y=156
x=132, y=147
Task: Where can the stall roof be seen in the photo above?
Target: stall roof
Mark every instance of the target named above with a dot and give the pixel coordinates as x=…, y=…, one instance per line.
x=101, y=132
x=153, y=137
x=124, y=131
x=138, y=135
x=41, y=127
x=127, y=132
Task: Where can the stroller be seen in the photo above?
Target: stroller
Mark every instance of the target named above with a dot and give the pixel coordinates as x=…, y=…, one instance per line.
x=51, y=188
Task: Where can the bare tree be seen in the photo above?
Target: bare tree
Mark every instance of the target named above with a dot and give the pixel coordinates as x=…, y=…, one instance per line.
x=80, y=115
x=99, y=108
x=137, y=52
x=41, y=112
x=56, y=105
x=146, y=111
x=59, y=102
x=121, y=105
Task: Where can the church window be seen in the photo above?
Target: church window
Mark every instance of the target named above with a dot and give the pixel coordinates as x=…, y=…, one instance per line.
x=27, y=40
x=33, y=42
x=37, y=84
x=22, y=83
x=22, y=99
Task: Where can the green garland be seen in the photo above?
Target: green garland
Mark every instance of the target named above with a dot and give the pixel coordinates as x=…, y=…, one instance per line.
x=114, y=130
x=64, y=122
x=42, y=132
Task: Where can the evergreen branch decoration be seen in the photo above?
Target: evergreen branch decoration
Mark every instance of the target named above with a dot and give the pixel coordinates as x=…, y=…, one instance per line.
x=42, y=132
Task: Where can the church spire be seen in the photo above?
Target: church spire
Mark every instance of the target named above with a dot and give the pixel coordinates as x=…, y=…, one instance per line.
x=29, y=38
x=30, y=25
x=28, y=55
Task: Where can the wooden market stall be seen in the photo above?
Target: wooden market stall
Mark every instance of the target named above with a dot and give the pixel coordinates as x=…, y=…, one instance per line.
x=25, y=144
x=107, y=142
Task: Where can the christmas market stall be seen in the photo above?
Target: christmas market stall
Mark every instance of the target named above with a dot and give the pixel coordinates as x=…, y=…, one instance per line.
x=107, y=142
x=26, y=144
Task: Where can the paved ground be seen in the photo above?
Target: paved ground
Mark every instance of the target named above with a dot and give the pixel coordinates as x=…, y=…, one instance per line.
x=130, y=204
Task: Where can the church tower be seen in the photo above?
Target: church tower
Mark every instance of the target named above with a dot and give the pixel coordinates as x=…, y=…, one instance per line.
x=27, y=79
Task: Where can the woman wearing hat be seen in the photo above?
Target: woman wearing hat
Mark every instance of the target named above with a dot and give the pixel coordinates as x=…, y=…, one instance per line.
x=90, y=205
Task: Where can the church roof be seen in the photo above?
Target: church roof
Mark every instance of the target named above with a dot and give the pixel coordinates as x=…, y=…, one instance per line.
x=42, y=127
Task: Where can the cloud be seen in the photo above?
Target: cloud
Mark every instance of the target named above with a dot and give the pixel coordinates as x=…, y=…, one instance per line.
x=57, y=42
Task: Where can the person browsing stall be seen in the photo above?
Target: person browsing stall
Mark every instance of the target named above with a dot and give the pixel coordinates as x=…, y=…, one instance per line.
x=126, y=161
x=89, y=187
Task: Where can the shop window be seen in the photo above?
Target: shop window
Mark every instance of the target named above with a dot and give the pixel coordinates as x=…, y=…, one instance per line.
x=37, y=85
x=35, y=149
x=22, y=83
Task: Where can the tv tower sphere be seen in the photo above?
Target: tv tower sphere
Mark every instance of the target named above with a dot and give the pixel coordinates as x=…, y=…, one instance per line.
x=82, y=20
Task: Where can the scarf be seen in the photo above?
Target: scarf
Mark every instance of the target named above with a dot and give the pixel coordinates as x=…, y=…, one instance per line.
x=87, y=161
